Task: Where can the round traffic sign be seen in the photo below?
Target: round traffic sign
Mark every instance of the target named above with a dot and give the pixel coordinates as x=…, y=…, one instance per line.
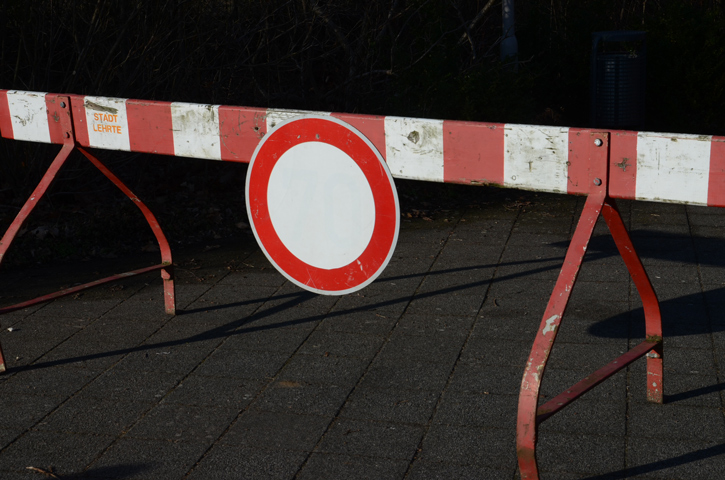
x=322, y=204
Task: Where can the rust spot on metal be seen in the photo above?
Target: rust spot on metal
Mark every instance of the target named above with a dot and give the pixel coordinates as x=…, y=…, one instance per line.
x=623, y=165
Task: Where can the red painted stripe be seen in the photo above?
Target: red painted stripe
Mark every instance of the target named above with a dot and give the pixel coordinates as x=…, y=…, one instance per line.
x=241, y=129
x=373, y=127
x=473, y=152
x=54, y=109
x=150, y=129
x=716, y=183
x=622, y=164
x=6, y=126
x=80, y=125
x=578, y=172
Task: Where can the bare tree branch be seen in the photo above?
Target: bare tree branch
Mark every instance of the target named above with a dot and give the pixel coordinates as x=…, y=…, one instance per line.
x=476, y=19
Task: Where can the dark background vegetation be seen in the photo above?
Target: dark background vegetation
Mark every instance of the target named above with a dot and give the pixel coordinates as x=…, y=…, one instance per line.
x=419, y=58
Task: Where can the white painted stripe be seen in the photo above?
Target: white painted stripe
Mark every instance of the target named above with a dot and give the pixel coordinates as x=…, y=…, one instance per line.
x=414, y=148
x=536, y=158
x=29, y=116
x=196, y=130
x=673, y=167
x=107, y=123
x=278, y=115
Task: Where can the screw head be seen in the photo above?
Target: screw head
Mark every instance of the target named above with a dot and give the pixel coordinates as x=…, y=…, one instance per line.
x=597, y=181
x=62, y=104
x=598, y=142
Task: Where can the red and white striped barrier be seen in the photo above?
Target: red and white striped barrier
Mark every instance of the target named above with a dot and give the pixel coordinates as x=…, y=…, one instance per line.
x=603, y=165
x=661, y=167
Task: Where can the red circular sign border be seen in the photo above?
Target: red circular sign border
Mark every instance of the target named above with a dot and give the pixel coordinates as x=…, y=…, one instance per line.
x=335, y=132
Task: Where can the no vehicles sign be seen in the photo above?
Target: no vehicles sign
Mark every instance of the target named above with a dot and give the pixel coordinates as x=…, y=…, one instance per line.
x=322, y=204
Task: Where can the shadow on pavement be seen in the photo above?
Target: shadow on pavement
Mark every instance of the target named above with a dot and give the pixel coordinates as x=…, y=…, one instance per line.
x=653, y=244
x=673, y=323
x=663, y=464
x=600, y=246
x=292, y=300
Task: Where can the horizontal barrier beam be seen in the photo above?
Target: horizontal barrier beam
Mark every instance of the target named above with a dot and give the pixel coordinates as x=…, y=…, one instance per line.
x=676, y=168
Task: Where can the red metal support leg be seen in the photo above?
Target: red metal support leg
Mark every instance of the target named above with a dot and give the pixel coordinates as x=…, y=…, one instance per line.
x=32, y=202
x=531, y=382
x=166, y=267
x=167, y=272
x=62, y=104
x=63, y=116
x=652, y=317
x=530, y=415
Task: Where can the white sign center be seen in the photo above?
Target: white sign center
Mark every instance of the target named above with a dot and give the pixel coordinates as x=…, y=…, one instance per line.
x=321, y=205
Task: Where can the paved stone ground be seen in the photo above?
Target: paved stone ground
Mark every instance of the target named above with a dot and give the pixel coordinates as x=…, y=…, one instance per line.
x=415, y=377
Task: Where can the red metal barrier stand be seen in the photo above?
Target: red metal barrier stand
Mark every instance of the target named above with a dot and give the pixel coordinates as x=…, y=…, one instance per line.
x=62, y=114
x=167, y=266
x=530, y=414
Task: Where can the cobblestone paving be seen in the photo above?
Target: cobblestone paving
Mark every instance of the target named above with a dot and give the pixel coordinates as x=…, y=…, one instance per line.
x=414, y=377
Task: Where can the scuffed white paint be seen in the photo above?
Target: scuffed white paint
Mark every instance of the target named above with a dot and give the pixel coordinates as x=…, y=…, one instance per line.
x=29, y=116
x=536, y=157
x=275, y=116
x=550, y=324
x=196, y=130
x=673, y=168
x=414, y=148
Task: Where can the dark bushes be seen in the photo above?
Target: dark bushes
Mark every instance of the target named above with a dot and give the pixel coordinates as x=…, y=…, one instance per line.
x=428, y=58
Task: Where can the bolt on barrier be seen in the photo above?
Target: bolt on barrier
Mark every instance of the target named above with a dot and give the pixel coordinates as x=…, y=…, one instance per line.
x=602, y=165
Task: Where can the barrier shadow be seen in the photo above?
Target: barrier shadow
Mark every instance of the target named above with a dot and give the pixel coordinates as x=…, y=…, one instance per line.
x=690, y=457
x=303, y=296
x=247, y=324
x=674, y=318
x=601, y=246
x=652, y=244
